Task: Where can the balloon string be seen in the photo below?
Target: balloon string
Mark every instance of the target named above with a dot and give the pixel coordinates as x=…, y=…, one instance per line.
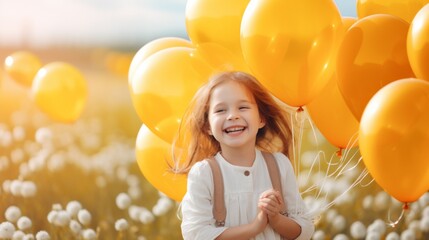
x=394, y=223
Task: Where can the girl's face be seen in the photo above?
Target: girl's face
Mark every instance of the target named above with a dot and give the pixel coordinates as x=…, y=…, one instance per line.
x=233, y=116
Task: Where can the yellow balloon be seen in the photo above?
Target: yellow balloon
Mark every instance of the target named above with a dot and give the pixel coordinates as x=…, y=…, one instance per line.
x=405, y=9
x=394, y=138
x=330, y=113
x=418, y=44
x=288, y=44
x=215, y=21
x=153, y=158
x=372, y=54
x=22, y=66
x=60, y=91
x=153, y=47
x=163, y=86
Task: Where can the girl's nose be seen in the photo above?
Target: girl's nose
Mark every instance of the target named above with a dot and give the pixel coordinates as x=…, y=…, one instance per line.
x=233, y=116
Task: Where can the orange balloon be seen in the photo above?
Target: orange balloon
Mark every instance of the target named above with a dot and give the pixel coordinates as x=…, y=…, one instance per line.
x=394, y=138
x=60, y=90
x=163, y=86
x=371, y=55
x=22, y=66
x=330, y=113
x=405, y=9
x=215, y=21
x=153, y=47
x=288, y=45
x=153, y=158
x=418, y=44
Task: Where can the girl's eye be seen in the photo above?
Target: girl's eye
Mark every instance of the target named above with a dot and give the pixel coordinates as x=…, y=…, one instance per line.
x=244, y=107
x=219, y=110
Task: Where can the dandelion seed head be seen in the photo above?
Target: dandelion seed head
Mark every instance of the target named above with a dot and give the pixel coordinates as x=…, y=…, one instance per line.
x=341, y=236
x=18, y=133
x=6, y=185
x=425, y=211
x=84, y=217
x=133, y=180
x=6, y=230
x=121, y=224
x=134, y=192
x=28, y=189
x=52, y=215
x=123, y=201
x=43, y=135
x=424, y=200
x=24, y=170
x=28, y=236
x=134, y=212
x=4, y=163
x=75, y=227
x=373, y=236
x=15, y=187
x=319, y=235
x=358, y=230
x=24, y=223
x=339, y=223
x=415, y=227
x=141, y=238
x=381, y=201
x=122, y=173
x=73, y=208
x=18, y=235
x=424, y=224
x=392, y=236
x=5, y=138
x=367, y=202
x=12, y=213
x=146, y=217
x=17, y=155
x=408, y=234
x=57, y=206
x=56, y=162
x=63, y=218
x=89, y=234
x=42, y=235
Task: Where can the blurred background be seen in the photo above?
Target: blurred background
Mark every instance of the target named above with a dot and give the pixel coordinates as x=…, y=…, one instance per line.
x=80, y=179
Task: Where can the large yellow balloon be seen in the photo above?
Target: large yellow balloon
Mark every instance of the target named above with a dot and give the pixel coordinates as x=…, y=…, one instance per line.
x=153, y=158
x=22, y=66
x=287, y=45
x=330, y=113
x=372, y=54
x=163, y=86
x=394, y=138
x=405, y=9
x=153, y=47
x=60, y=91
x=418, y=44
x=215, y=21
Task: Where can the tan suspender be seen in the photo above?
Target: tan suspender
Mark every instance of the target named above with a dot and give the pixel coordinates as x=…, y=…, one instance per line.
x=219, y=209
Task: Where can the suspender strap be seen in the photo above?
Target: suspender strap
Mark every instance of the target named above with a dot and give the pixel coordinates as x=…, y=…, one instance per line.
x=274, y=172
x=219, y=209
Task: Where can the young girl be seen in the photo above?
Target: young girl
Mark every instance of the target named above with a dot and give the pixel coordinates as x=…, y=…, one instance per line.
x=234, y=119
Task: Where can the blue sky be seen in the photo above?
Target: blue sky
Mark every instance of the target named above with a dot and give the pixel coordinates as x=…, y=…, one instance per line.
x=98, y=22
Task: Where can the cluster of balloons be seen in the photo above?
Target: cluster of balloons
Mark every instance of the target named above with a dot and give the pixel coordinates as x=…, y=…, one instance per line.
x=308, y=56
x=58, y=88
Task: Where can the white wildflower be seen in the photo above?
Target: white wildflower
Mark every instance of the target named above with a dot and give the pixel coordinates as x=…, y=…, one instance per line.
x=18, y=133
x=73, y=207
x=341, y=236
x=162, y=206
x=121, y=224
x=319, y=235
x=28, y=236
x=28, y=189
x=15, y=187
x=12, y=214
x=18, y=235
x=123, y=201
x=146, y=216
x=134, y=212
x=392, y=236
x=42, y=235
x=24, y=223
x=75, y=227
x=339, y=223
x=62, y=219
x=52, y=216
x=358, y=230
x=373, y=235
x=89, y=234
x=84, y=217
x=408, y=234
x=6, y=230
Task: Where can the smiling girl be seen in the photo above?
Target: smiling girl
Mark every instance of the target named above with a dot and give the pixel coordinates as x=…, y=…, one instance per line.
x=234, y=119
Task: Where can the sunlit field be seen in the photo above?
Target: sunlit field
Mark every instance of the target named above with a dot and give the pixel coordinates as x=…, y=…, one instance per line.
x=81, y=180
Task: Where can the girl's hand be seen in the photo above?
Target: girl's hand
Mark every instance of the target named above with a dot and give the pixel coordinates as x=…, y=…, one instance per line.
x=261, y=221
x=271, y=203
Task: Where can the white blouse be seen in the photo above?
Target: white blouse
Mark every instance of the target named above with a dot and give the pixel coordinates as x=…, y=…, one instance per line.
x=241, y=198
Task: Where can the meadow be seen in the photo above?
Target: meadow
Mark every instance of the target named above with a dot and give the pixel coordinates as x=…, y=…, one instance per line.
x=81, y=180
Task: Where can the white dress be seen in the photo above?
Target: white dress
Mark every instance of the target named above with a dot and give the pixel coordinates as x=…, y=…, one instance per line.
x=241, y=198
